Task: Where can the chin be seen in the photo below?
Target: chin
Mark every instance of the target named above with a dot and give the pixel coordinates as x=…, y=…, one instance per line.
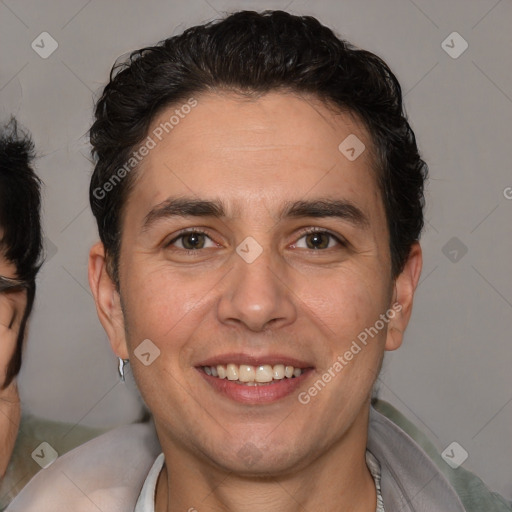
x=254, y=460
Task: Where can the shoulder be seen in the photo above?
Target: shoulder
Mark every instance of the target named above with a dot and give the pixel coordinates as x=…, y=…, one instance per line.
x=414, y=466
x=33, y=431
x=106, y=473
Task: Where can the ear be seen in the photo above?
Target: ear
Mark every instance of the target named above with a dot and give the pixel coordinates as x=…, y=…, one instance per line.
x=107, y=299
x=405, y=286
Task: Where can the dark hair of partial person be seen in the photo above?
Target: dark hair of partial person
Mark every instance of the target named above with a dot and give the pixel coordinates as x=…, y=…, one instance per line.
x=251, y=54
x=20, y=205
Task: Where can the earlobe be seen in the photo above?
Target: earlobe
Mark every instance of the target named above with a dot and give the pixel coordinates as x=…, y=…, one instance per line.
x=405, y=287
x=108, y=303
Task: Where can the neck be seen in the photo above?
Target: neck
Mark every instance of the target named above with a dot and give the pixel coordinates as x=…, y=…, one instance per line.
x=336, y=481
x=10, y=412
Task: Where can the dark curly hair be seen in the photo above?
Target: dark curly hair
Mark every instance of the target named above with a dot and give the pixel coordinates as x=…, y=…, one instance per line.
x=20, y=205
x=253, y=53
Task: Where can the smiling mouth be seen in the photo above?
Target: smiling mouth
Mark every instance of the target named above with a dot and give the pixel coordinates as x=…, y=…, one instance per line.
x=250, y=375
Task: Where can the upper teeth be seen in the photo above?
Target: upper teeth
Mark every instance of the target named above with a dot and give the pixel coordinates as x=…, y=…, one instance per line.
x=249, y=373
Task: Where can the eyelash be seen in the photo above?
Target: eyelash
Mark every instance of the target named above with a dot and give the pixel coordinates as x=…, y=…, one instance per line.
x=189, y=252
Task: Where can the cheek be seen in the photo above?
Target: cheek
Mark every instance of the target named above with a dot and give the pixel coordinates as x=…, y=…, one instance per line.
x=167, y=311
x=164, y=307
x=346, y=303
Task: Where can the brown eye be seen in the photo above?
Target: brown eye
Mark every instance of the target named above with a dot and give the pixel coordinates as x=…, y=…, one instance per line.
x=318, y=240
x=192, y=241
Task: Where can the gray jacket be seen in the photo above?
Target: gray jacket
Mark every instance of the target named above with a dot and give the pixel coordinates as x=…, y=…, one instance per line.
x=108, y=472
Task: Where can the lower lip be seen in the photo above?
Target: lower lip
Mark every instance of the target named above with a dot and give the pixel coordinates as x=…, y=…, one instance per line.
x=259, y=394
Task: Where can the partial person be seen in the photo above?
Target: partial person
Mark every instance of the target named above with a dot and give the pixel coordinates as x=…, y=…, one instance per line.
x=20, y=259
x=259, y=197
x=21, y=256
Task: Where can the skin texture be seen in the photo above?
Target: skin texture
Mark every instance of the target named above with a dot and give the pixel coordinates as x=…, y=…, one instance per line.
x=256, y=155
x=12, y=305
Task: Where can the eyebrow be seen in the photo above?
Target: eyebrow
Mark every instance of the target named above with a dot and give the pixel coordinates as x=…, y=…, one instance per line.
x=339, y=208
x=183, y=207
x=319, y=208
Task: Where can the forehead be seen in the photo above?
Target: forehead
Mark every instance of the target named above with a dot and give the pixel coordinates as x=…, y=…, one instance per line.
x=256, y=152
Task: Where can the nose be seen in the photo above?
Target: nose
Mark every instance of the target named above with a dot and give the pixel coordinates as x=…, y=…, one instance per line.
x=257, y=295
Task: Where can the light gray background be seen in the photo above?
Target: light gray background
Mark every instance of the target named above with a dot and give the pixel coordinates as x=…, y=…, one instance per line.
x=452, y=376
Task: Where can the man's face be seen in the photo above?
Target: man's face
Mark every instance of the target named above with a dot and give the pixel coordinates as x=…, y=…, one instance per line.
x=293, y=269
x=12, y=307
